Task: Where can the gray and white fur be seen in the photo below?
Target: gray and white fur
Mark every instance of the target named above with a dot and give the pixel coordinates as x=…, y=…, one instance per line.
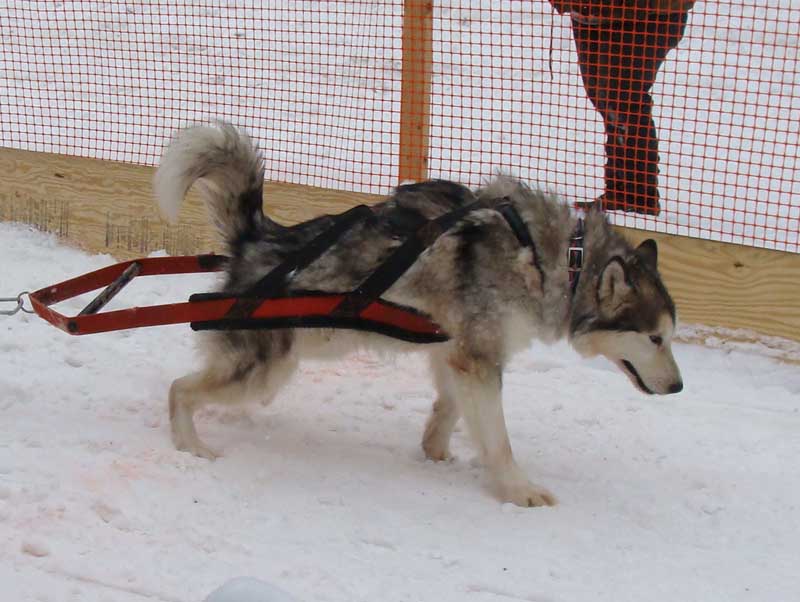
x=477, y=281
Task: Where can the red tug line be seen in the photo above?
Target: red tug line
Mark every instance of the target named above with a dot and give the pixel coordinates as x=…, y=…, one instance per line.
x=212, y=311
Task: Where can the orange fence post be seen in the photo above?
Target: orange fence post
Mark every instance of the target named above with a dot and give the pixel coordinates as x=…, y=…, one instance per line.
x=416, y=89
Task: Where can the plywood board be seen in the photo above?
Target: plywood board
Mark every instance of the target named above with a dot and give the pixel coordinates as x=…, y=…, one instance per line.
x=102, y=206
x=108, y=207
x=721, y=284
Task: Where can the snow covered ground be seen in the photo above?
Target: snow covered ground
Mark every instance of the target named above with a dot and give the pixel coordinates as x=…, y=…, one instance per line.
x=318, y=84
x=326, y=493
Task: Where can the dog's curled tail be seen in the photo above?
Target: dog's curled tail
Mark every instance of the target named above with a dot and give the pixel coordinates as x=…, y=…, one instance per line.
x=229, y=172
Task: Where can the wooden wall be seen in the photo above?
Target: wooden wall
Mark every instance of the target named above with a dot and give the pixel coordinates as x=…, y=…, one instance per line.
x=108, y=207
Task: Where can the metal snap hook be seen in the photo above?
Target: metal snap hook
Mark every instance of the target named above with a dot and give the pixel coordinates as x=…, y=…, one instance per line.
x=20, y=305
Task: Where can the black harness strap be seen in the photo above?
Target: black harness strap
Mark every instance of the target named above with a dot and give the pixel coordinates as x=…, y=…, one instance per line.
x=274, y=283
x=400, y=260
x=522, y=233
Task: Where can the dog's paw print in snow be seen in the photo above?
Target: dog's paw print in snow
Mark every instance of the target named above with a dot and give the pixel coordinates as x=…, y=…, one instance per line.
x=703, y=501
x=446, y=561
x=249, y=589
x=331, y=500
x=73, y=361
x=15, y=497
x=110, y=514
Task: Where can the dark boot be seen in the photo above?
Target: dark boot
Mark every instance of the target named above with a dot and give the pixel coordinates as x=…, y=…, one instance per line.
x=631, y=171
x=646, y=205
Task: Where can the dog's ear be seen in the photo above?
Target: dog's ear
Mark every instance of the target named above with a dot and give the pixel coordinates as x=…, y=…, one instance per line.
x=647, y=252
x=613, y=287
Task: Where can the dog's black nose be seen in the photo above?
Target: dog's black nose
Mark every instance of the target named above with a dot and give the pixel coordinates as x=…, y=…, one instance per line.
x=676, y=387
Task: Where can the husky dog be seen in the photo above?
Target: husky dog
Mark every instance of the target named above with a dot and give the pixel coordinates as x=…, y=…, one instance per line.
x=490, y=294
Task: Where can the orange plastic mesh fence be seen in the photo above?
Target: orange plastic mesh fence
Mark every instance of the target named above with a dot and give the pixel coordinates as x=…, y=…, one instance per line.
x=695, y=128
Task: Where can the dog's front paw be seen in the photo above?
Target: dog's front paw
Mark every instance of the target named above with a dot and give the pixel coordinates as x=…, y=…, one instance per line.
x=435, y=450
x=526, y=494
x=196, y=448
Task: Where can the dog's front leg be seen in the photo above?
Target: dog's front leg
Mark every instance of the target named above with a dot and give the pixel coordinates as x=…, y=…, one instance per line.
x=445, y=412
x=477, y=385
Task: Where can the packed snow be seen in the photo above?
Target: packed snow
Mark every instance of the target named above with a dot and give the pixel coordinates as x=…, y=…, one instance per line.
x=248, y=589
x=325, y=494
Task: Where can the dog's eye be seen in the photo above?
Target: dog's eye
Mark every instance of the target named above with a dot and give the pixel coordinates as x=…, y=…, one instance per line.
x=656, y=340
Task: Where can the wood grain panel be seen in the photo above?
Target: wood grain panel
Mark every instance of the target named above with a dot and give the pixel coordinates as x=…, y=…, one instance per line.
x=721, y=284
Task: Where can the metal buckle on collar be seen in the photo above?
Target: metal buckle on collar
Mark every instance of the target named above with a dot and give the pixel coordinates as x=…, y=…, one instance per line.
x=575, y=249
x=575, y=255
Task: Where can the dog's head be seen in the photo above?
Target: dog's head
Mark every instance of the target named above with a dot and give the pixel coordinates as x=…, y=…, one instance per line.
x=629, y=318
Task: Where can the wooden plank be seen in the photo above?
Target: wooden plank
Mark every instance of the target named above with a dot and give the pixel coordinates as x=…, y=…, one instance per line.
x=98, y=205
x=733, y=286
x=415, y=93
x=108, y=207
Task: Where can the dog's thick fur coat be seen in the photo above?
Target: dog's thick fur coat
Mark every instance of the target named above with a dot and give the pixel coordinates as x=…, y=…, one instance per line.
x=476, y=281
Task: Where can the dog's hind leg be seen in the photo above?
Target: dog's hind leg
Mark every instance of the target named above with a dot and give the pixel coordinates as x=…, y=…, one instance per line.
x=444, y=415
x=477, y=386
x=193, y=391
